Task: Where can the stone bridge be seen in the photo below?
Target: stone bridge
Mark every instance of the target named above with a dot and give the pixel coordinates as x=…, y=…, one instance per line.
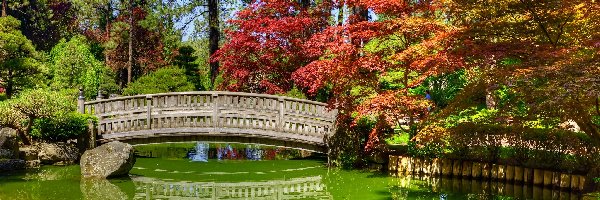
x=212, y=116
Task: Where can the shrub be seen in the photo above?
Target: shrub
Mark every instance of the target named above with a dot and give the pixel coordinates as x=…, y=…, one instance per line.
x=20, y=113
x=294, y=93
x=537, y=148
x=431, y=142
x=62, y=128
x=168, y=79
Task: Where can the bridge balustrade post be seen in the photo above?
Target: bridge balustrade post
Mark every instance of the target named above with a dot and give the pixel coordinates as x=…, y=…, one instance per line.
x=281, y=122
x=81, y=102
x=149, y=111
x=215, y=114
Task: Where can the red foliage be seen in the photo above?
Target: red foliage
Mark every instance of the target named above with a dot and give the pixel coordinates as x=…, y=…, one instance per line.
x=277, y=44
x=429, y=49
x=147, y=44
x=267, y=44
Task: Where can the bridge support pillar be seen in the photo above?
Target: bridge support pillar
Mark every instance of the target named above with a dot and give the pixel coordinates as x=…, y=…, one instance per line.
x=81, y=102
x=87, y=141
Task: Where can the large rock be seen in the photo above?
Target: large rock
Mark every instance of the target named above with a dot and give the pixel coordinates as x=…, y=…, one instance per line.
x=28, y=153
x=11, y=164
x=9, y=147
x=109, y=160
x=57, y=153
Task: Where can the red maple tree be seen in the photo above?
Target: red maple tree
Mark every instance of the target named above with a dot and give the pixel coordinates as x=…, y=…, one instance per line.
x=266, y=46
x=425, y=46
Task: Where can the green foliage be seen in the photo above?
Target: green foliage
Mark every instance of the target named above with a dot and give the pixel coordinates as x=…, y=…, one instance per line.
x=445, y=87
x=187, y=61
x=474, y=115
x=536, y=148
x=73, y=65
x=427, y=151
x=44, y=103
x=400, y=138
x=44, y=22
x=202, y=60
x=19, y=68
x=10, y=116
x=20, y=113
x=295, y=93
x=348, y=143
x=392, y=80
x=61, y=128
x=168, y=79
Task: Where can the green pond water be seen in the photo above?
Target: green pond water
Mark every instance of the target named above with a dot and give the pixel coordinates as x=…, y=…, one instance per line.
x=175, y=177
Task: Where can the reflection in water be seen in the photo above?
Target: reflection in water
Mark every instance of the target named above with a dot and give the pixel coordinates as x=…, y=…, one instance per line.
x=100, y=189
x=200, y=152
x=448, y=188
x=297, y=188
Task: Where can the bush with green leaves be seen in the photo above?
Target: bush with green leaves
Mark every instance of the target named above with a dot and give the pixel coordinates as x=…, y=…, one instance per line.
x=73, y=65
x=543, y=148
x=21, y=112
x=168, y=79
x=61, y=128
x=294, y=93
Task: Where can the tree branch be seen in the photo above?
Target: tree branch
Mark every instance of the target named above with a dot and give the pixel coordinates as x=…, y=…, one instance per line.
x=537, y=20
x=192, y=19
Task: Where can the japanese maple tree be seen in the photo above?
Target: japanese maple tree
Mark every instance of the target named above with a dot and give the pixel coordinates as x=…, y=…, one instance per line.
x=546, y=51
x=412, y=38
x=267, y=45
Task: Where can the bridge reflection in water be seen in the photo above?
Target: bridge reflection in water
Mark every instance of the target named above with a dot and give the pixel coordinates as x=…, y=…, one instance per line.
x=297, y=188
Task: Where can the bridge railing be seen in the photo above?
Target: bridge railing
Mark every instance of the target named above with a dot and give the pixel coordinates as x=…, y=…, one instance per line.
x=306, y=120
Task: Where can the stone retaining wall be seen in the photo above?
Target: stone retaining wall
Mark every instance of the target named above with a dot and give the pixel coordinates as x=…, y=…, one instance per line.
x=476, y=170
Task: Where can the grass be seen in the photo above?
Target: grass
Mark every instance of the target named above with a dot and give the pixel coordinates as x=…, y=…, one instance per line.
x=396, y=139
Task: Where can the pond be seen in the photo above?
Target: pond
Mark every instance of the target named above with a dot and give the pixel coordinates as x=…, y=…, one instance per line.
x=164, y=172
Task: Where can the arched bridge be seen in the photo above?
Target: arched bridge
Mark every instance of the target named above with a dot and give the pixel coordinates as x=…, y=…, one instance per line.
x=212, y=116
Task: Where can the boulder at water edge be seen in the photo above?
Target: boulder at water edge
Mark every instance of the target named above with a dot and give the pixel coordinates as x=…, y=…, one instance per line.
x=109, y=160
x=57, y=153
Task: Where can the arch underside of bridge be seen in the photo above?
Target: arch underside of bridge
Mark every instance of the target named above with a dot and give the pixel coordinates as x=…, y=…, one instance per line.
x=208, y=135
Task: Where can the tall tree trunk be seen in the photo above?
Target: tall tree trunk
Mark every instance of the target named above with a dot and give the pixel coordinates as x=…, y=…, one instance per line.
x=131, y=29
x=340, y=14
x=4, y=7
x=490, y=99
x=411, y=118
x=107, y=29
x=23, y=136
x=363, y=14
x=214, y=37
